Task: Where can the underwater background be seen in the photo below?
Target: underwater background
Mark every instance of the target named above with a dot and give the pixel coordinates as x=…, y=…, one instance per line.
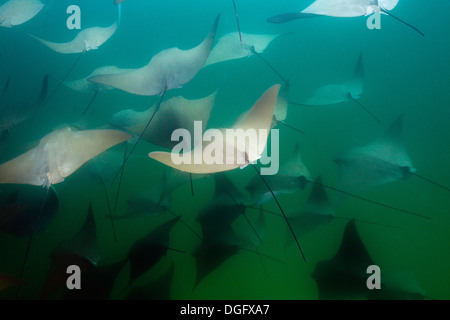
x=404, y=74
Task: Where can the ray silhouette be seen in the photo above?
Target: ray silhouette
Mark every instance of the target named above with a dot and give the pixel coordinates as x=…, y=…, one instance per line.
x=349, y=90
x=158, y=289
x=19, y=212
x=147, y=251
x=144, y=204
x=382, y=161
x=345, y=275
x=80, y=250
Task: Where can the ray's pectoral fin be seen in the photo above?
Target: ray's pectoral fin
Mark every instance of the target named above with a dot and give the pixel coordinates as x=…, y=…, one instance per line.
x=287, y=17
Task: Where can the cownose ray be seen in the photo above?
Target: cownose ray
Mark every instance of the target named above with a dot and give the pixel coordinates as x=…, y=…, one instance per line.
x=345, y=275
x=245, y=151
x=86, y=40
x=317, y=211
x=227, y=205
x=281, y=109
x=80, y=250
x=17, y=12
x=18, y=213
x=158, y=289
x=144, y=203
x=217, y=248
x=177, y=112
x=147, y=251
x=58, y=155
x=85, y=86
x=294, y=176
x=168, y=69
x=344, y=9
x=350, y=90
x=258, y=118
x=16, y=111
x=228, y=49
x=282, y=182
x=382, y=161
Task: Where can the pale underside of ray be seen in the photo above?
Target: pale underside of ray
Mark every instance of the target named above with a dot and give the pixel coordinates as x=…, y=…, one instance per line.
x=281, y=108
x=227, y=48
x=86, y=40
x=168, y=69
x=85, y=86
x=335, y=93
x=295, y=167
x=58, y=155
x=259, y=118
x=341, y=8
x=16, y=12
x=385, y=160
x=174, y=113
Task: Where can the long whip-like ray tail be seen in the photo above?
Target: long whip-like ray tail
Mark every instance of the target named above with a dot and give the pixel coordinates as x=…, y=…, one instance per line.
x=90, y=102
x=237, y=20
x=109, y=207
x=252, y=49
x=402, y=21
x=364, y=108
x=140, y=136
x=282, y=211
x=120, y=178
x=186, y=224
x=262, y=254
x=430, y=181
x=289, y=126
x=371, y=201
x=27, y=250
x=253, y=228
x=192, y=184
x=65, y=77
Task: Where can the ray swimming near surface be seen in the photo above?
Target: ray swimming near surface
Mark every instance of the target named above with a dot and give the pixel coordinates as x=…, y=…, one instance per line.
x=86, y=40
x=17, y=12
x=343, y=9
